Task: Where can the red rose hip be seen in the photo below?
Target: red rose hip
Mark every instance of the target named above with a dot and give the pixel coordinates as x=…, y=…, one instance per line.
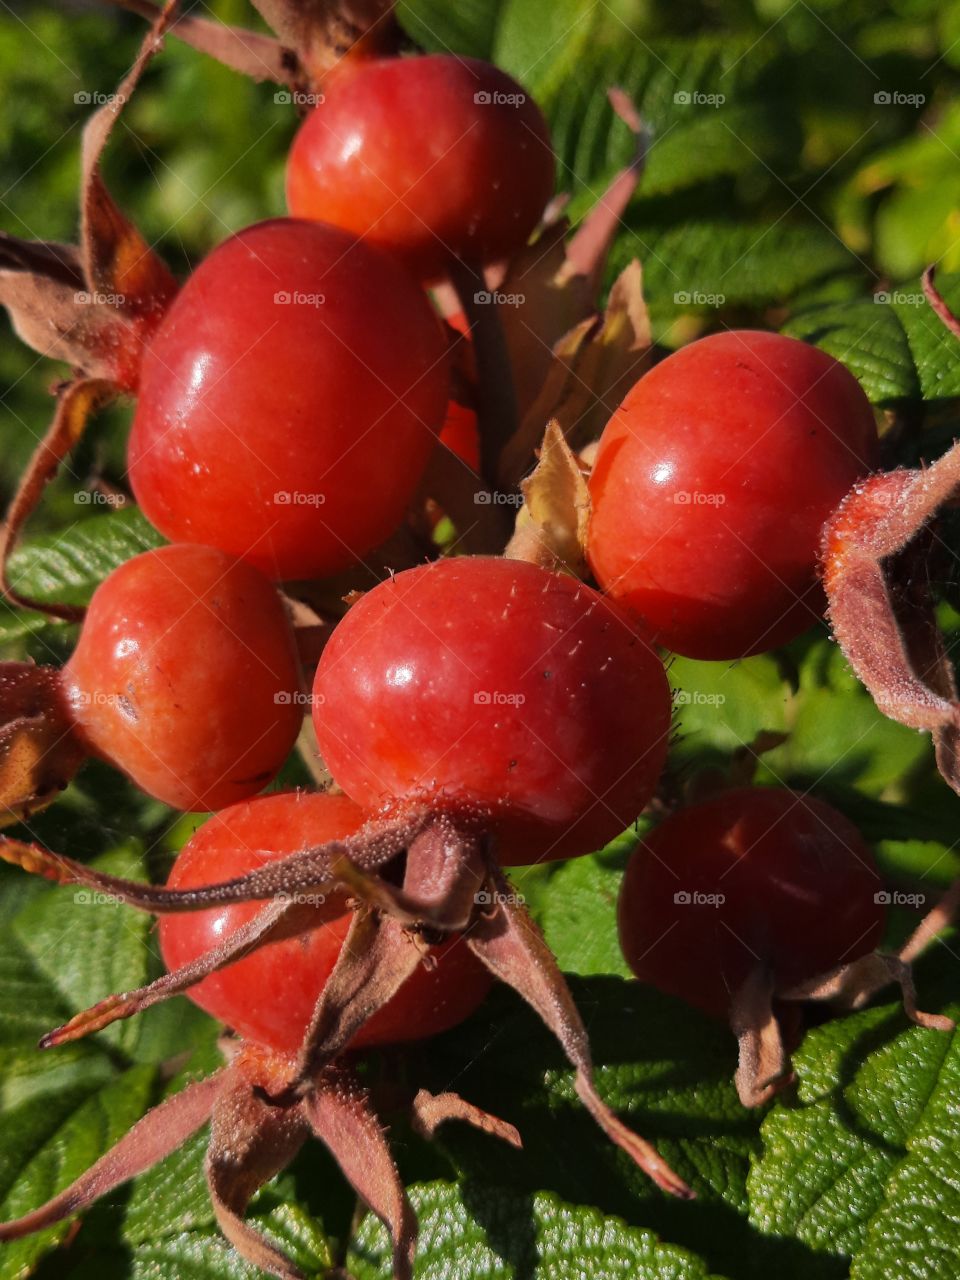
x=502, y=693
x=289, y=400
x=434, y=158
x=186, y=677
x=712, y=484
x=269, y=996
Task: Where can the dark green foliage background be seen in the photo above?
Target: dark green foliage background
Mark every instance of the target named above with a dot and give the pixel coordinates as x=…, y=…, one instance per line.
x=798, y=202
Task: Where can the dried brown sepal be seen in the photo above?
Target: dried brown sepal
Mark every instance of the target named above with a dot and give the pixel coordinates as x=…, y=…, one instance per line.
x=851, y=986
x=251, y=53
x=92, y=306
x=763, y=1070
x=551, y=528
x=446, y=868
x=884, y=617
x=370, y=890
x=513, y=949
x=304, y=873
x=54, y=309
x=321, y=31
x=54, y=261
x=251, y=1140
x=117, y=261
x=377, y=958
x=39, y=752
x=160, y=1132
x=78, y=400
x=274, y=921
x=429, y=1111
x=593, y=368
x=56, y=315
x=380, y=953
x=339, y=1113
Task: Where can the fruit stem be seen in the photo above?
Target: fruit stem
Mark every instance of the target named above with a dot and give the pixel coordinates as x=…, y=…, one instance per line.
x=496, y=394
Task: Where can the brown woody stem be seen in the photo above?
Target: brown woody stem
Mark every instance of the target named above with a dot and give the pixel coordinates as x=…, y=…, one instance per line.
x=496, y=398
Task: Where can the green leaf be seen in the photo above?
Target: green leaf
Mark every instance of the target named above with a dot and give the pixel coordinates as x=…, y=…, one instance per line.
x=482, y=1230
x=720, y=707
x=733, y=263
x=666, y=1069
x=867, y=1165
x=87, y=945
x=894, y=343
x=468, y=28
x=53, y=1139
x=869, y=339
x=579, y=915
x=69, y=565
x=837, y=737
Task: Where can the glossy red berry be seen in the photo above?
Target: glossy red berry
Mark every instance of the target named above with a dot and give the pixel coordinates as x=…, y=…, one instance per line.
x=289, y=400
x=269, y=996
x=435, y=158
x=757, y=875
x=495, y=690
x=712, y=484
x=185, y=676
